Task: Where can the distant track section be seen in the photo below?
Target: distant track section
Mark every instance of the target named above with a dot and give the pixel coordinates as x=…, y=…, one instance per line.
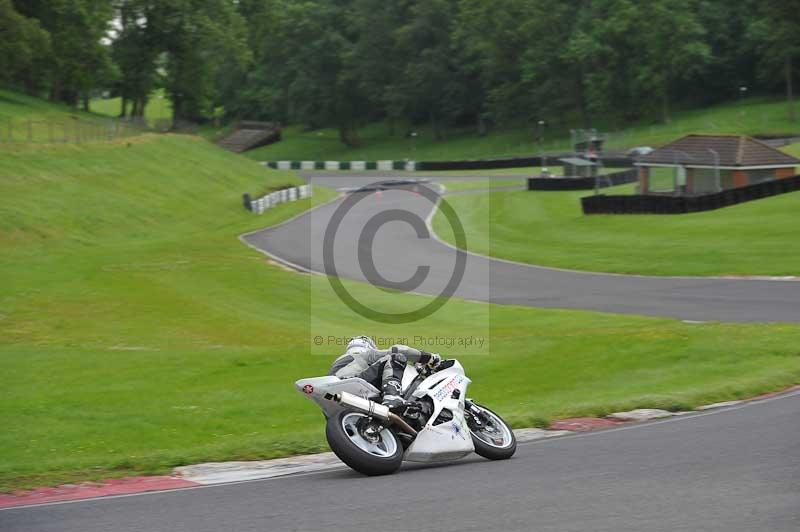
x=400, y=251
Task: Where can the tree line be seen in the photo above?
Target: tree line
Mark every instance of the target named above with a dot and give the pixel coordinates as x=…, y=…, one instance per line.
x=445, y=63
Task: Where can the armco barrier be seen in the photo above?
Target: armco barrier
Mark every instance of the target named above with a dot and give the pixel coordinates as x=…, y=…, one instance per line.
x=582, y=183
x=653, y=204
x=480, y=164
x=268, y=201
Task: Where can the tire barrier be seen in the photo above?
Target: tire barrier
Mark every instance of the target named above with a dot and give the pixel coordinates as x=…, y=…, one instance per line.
x=272, y=199
x=653, y=204
x=408, y=166
x=411, y=166
x=583, y=183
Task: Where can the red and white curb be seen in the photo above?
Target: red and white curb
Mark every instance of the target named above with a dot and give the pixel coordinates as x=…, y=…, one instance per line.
x=93, y=490
x=229, y=472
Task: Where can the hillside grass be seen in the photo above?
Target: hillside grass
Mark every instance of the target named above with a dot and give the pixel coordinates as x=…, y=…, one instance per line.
x=138, y=334
x=26, y=119
x=753, y=116
x=20, y=106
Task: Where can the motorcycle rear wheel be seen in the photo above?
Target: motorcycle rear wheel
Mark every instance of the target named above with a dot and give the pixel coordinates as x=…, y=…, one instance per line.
x=367, y=451
x=494, y=440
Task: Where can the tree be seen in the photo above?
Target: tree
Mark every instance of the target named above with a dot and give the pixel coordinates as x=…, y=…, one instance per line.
x=492, y=37
x=199, y=36
x=181, y=43
x=734, y=57
x=375, y=61
x=560, y=57
x=79, y=59
x=673, y=50
x=775, y=33
x=24, y=47
x=434, y=83
x=135, y=49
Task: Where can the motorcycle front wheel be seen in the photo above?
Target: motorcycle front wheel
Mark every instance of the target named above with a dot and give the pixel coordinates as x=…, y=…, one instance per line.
x=364, y=445
x=491, y=435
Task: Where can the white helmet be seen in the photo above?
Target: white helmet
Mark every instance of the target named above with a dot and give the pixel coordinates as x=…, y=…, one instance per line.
x=360, y=344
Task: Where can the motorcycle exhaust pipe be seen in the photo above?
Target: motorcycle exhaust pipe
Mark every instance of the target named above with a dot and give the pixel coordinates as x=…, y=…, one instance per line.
x=363, y=405
x=372, y=408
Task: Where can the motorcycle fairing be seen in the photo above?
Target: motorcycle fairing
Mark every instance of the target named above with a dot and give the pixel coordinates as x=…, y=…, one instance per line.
x=449, y=440
x=330, y=384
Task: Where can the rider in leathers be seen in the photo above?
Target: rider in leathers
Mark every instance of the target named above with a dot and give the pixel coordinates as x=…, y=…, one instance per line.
x=383, y=368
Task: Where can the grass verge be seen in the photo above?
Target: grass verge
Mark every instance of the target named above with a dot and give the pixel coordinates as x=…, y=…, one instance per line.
x=549, y=229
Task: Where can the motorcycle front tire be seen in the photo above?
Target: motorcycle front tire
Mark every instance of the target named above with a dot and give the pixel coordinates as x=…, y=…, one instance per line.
x=494, y=452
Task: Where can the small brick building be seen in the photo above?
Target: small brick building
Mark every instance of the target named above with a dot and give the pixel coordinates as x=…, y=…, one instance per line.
x=702, y=164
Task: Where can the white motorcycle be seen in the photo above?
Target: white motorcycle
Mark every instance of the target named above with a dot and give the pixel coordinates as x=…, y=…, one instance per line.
x=438, y=423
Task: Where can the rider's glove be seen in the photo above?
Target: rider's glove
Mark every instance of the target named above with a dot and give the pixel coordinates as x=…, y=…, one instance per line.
x=433, y=360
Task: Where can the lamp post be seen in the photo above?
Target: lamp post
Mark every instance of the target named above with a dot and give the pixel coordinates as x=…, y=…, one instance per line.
x=742, y=92
x=414, y=146
x=541, y=123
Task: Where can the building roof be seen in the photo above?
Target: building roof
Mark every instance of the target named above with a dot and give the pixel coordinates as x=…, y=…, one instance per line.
x=718, y=150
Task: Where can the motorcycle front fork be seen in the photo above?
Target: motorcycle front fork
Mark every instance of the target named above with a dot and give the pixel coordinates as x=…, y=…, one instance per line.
x=473, y=413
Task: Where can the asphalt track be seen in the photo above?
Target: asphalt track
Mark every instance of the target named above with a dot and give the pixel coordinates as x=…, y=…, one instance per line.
x=398, y=250
x=732, y=470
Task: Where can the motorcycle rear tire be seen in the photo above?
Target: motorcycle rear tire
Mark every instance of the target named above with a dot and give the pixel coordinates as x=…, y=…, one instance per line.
x=357, y=458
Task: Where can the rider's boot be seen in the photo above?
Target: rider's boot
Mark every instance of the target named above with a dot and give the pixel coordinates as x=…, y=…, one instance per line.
x=391, y=394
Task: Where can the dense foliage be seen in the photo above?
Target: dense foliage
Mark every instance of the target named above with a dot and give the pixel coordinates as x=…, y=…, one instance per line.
x=447, y=63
